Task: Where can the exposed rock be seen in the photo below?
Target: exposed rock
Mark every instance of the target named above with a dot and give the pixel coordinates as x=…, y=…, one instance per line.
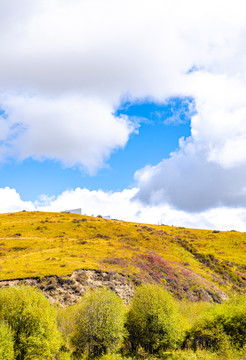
x=67, y=290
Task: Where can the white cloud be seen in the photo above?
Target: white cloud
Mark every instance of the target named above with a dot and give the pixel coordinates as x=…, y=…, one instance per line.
x=209, y=169
x=10, y=201
x=189, y=182
x=121, y=205
x=65, y=65
x=75, y=131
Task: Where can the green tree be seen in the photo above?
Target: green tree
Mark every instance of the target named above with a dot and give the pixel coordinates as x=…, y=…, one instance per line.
x=99, y=323
x=6, y=342
x=152, y=320
x=33, y=322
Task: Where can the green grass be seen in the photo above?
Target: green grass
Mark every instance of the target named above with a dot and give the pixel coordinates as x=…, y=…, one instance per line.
x=37, y=244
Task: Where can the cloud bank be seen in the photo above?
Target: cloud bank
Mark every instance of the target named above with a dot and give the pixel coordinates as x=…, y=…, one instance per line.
x=66, y=65
x=121, y=205
x=209, y=169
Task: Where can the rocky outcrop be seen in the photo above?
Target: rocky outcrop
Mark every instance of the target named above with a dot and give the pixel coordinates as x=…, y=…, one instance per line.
x=67, y=290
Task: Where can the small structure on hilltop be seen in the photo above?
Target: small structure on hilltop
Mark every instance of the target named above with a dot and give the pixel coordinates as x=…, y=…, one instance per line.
x=74, y=211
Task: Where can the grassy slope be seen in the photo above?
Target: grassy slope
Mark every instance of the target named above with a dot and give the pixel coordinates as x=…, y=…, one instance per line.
x=184, y=260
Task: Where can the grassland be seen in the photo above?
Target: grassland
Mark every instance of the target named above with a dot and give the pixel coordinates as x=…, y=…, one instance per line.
x=194, y=264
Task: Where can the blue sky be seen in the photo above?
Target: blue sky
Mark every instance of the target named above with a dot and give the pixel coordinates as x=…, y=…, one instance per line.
x=153, y=141
x=134, y=109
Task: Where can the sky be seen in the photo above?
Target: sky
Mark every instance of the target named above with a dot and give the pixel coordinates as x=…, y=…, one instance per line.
x=133, y=109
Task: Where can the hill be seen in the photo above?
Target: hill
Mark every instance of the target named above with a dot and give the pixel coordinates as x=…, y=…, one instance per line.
x=191, y=263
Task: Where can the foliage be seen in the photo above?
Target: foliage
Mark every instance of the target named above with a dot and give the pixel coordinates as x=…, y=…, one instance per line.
x=182, y=355
x=113, y=356
x=63, y=355
x=207, y=334
x=100, y=323
x=192, y=311
x=28, y=327
x=66, y=321
x=6, y=342
x=33, y=322
x=232, y=318
x=200, y=355
x=153, y=321
x=222, y=327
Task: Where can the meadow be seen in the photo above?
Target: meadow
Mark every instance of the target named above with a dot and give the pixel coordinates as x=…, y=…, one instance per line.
x=193, y=264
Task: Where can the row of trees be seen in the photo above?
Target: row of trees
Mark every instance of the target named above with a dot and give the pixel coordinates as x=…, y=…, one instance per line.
x=101, y=324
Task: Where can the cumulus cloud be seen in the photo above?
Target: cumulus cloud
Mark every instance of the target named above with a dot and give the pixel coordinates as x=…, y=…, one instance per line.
x=10, y=201
x=188, y=181
x=75, y=131
x=209, y=168
x=65, y=66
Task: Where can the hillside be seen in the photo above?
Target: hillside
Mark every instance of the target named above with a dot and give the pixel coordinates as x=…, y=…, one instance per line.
x=193, y=264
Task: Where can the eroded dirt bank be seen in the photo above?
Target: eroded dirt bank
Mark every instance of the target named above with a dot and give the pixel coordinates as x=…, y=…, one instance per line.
x=67, y=290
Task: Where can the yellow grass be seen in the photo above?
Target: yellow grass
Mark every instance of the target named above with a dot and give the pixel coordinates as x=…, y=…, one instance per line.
x=39, y=244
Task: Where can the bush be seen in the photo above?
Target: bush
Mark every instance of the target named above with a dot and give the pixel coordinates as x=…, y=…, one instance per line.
x=33, y=322
x=232, y=317
x=99, y=323
x=224, y=326
x=152, y=321
x=6, y=342
x=207, y=334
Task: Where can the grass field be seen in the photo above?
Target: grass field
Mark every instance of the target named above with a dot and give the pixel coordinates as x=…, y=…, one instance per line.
x=37, y=244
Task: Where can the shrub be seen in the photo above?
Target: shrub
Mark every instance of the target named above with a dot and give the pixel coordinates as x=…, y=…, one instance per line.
x=33, y=322
x=99, y=323
x=6, y=342
x=152, y=321
x=224, y=324
x=207, y=334
x=232, y=317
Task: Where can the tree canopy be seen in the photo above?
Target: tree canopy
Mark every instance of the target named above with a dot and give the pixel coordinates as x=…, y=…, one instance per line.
x=99, y=322
x=33, y=322
x=153, y=319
